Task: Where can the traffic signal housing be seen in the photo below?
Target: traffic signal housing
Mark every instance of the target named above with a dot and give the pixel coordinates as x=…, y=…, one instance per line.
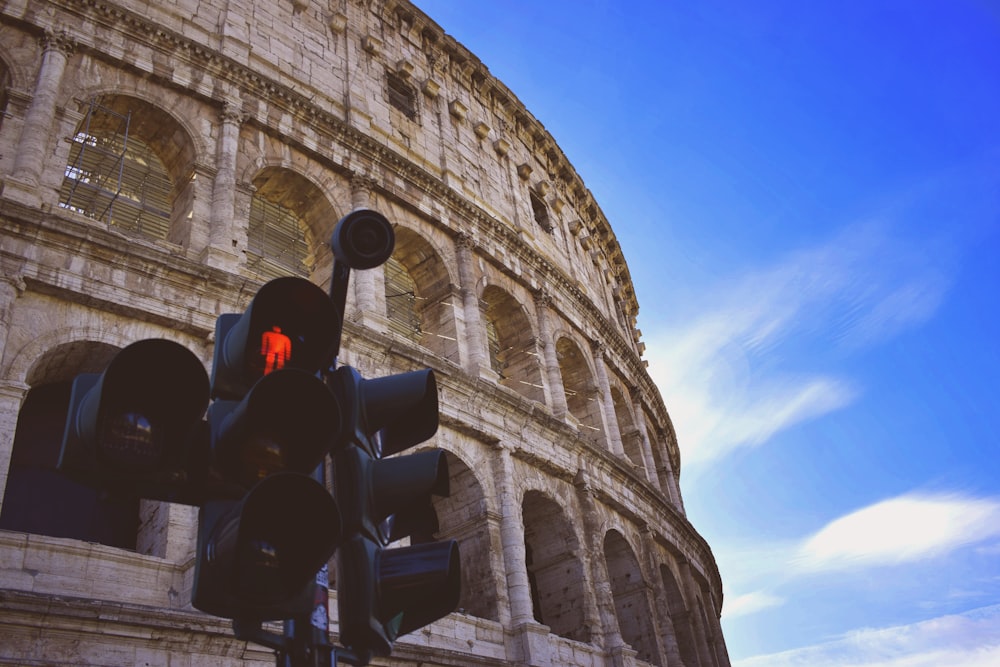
x=383, y=592
x=137, y=427
x=272, y=525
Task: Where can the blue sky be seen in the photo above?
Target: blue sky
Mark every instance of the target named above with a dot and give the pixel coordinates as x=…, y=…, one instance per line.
x=808, y=196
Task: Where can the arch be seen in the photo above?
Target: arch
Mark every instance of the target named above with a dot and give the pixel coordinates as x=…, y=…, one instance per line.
x=131, y=165
x=679, y=617
x=629, y=592
x=512, y=343
x=582, y=399
x=39, y=499
x=631, y=436
x=286, y=212
x=420, y=297
x=555, y=571
x=462, y=516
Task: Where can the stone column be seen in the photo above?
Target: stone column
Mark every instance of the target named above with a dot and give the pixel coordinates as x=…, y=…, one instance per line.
x=512, y=539
x=225, y=247
x=366, y=285
x=11, y=398
x=36, y=133
x=550, y=361
x=612, y=429
x=477, y=354
x=600, y=613
x=696, y=614
x=647, y=448
x=669, y=476
x=666, y=636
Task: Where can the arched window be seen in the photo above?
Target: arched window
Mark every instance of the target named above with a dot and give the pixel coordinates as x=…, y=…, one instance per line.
x=419, y=295
x=629, y=592
x=401, y=301
x=129, y=166
x=511, y=344
x=581, y=389
x=39, y=499
x=284, y=208
x=462, y=516
x=555, y=572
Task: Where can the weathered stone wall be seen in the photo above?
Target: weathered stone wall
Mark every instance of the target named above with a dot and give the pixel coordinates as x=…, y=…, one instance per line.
x=563, y=460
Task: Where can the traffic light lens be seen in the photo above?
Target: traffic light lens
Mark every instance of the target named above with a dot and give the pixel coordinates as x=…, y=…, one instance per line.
x=261, y=457
x=129, y=441
x=275, y=349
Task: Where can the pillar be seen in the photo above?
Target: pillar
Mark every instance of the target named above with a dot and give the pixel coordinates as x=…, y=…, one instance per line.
x=36, y=133
x=613, y=431
x=225, y=247
x=550, y=360
x=477, y=353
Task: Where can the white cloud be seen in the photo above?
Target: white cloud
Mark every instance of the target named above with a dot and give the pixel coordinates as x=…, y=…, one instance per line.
x=750, y=603
x=722, y=371
x=970, y=639
x=906, y=528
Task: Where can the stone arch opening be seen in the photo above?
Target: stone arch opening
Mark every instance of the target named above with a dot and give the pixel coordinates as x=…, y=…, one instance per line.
x=629, y=592
x=513, y=351
x=285, y=209
x=630, y=433
x=680, y=618
x=131, y=165
x=555, y=571
x=581, y=390
x=38, y=498
x=462, y=516
x=420, y=299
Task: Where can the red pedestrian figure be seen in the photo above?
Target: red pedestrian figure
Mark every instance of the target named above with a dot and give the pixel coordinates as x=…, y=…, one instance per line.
x=275, y=347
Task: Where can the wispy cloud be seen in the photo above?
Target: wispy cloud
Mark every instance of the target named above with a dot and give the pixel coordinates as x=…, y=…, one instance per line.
x=903, y=529
x=742, y=366
x=971, y=639
x=750, y=603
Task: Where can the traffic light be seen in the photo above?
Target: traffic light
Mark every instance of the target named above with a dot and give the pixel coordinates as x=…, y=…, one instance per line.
x=137, y=427
x=384, y=593
x=271, y=526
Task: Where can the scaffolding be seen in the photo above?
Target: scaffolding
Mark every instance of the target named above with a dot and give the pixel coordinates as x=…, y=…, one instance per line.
x=276, y=243
x=116, y=178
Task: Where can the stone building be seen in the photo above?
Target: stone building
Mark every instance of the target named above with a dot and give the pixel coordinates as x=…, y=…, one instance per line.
x=159, y=161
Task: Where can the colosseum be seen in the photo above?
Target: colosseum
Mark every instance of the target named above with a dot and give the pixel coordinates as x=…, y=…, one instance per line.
x=160, y=161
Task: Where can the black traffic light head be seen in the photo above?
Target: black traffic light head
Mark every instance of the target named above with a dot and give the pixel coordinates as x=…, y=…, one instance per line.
x=385, y=593
x=291, y=323
x=289, y=420
x=136, y=426
x=363, y=239
x=389, y=414
x=256, y=558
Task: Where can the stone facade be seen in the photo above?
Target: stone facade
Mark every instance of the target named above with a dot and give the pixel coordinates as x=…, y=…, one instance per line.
x=161, y=160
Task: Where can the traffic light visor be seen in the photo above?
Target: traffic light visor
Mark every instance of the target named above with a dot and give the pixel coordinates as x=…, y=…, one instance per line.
x=134, y=416
x=363, y=239
x=291, y=323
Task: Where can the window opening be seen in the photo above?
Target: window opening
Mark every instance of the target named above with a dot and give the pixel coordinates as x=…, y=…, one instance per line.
x=116, y=178
x=402, y=96
x=401, y=301
x=276, y=243
x=541, y=212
